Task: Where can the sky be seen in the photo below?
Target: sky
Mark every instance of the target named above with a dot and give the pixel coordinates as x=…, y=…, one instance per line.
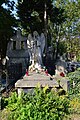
x=14, y=12
x=14, y=1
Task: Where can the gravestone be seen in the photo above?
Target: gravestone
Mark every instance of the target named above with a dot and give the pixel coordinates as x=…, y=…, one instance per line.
x=22, y=50
x=18, y=55
x=61, y=66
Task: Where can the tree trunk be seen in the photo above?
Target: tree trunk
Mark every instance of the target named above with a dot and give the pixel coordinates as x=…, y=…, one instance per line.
x=45, y=25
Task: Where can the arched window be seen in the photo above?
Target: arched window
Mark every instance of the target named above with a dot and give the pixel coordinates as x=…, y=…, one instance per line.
x=14, y=45
x=22, y=44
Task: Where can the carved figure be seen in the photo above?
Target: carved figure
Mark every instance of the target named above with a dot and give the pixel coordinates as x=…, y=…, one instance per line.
x=36, y=46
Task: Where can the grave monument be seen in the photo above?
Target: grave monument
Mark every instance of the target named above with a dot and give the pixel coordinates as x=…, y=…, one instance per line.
x=36, y=45
x=24, y=50
x=18, y=54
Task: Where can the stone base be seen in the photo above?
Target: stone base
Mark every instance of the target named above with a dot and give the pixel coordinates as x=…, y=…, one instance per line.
x=34, y=79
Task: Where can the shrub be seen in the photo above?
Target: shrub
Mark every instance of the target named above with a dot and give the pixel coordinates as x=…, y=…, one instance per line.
x=4, y=102
x=74, y=76
x=75, y=105
x=74, y=93
x=40, y=105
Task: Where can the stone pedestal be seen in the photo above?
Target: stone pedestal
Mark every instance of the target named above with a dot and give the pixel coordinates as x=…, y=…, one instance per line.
x=30, y=82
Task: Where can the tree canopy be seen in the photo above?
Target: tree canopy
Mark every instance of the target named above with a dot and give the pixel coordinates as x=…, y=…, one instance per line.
x=62, y=19
x=31, y=13
x=7, y=22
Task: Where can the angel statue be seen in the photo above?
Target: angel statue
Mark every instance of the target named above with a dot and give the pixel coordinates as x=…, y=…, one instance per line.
x=30, y=45
x=36, y=46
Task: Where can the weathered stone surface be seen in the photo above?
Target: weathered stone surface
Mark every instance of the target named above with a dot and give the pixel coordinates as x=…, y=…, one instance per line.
x=65, y=84
x=20, y=54
x=36, y=45
x=33, y=83
x=33, y=80
x=60, y=66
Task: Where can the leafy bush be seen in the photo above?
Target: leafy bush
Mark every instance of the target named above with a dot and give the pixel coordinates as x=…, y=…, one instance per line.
x=74, y=76
x=78, y=57
x=74, y=93
x=40, y=105
x=74, y=90
x=4, y=102
x=75, y=105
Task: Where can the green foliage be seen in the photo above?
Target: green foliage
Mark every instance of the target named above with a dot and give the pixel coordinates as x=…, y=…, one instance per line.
x=74, y=76
x=75, y=104
x=78, y=56
x=68, y=28
x=73, y=46
x=42, y=104
x=4, y=102
x=74, y=93
x=72, y=27
x=74, y=89
x=62, y=48
x=31, y=14
x=7, y=22
x=74, y=97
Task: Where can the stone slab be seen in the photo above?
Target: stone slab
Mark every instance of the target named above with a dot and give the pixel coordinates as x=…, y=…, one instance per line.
x=33, y=83
x=36, y=76
x=34, y=79
x=65, y=84
x=63, y=81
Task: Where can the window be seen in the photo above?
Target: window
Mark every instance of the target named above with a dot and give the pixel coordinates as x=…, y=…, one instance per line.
x=14, y=45
x=22, y=45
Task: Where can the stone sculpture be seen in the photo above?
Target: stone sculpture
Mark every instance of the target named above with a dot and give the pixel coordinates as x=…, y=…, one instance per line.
x=36, y=46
